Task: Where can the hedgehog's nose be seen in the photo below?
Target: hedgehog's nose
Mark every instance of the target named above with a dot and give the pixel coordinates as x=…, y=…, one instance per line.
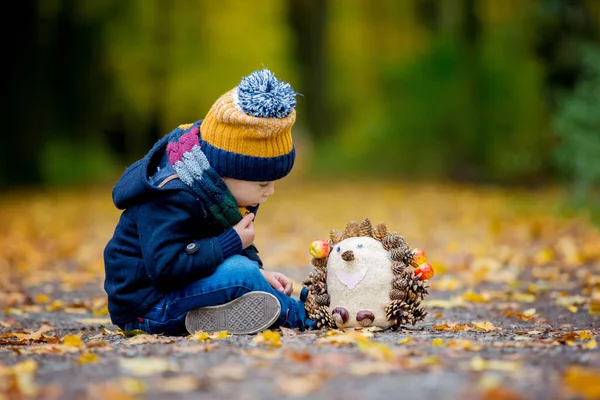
x=348, y=255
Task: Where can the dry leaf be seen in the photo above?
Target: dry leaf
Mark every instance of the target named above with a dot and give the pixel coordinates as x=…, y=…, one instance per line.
x=146, y=366
x=583, y=382
x=177, y=384
x=370, y=368
x=73, y=340
x=228, y=371
x=298, y=386
x=486, y=326
x=88, y=358
x=269, y=338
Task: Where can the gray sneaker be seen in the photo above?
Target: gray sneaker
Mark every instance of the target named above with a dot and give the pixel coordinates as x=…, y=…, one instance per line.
x=251, y=313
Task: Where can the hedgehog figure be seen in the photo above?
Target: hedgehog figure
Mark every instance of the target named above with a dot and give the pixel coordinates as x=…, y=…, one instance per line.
x=366, y=276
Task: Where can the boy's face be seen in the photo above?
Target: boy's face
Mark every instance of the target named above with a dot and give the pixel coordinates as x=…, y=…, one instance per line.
x=248, y=193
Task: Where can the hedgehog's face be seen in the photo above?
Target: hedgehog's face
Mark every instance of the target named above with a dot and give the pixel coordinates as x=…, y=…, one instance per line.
x=352, y=258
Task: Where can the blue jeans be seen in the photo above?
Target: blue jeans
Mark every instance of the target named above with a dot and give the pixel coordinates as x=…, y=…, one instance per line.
x=235, y=277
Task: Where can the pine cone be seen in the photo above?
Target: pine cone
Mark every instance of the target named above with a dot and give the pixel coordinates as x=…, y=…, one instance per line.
x=335, y=236
x=397, y=254
x=311, y=306
x=415, y=286
x=365, y=228
x=399, y=312
x=419, y=314
x=323, y=299
x=320, y=275
x=380, y=231
x=396, y=294
x=319, y=262
x=390, y=241
x=398, y=267
x=351, y=230
x=323, y=318
x=318, y=287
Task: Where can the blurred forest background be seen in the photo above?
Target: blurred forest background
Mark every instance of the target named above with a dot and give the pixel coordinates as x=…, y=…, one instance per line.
x=487, y=91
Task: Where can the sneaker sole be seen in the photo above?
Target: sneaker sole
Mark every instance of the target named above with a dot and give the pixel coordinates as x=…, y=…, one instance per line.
x=251, y=313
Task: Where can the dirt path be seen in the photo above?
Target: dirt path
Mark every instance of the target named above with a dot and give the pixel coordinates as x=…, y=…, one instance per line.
x=463, y=350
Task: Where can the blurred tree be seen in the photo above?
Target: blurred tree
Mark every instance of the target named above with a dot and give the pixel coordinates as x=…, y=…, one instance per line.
x=308, y=21
x=577, y=123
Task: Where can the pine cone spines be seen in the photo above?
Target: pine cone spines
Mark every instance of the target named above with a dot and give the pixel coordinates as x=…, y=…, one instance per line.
x=390, y=241
x=380, y=231
x=319, y=262
x=323, y=299
x=398, y=267
x=351, y=230
x=365, y=228
x=335, y=236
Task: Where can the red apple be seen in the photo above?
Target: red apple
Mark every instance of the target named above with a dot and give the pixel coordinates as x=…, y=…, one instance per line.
x=419, y=256
x=319, y=248
x=424, y=272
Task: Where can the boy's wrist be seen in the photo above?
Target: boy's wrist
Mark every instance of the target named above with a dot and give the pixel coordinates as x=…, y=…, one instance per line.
x=230, y=242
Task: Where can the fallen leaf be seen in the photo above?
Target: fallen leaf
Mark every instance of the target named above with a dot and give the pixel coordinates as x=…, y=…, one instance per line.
x=94, y=321
x=73, y=340
x=370, y=368
x=146, y=366
x=406, y=340
x=235, y=372
x=486, y=326
x=88, y=358
x=177, y=384
x=376, y=350
x=269, y=338
x=584, y=382
x=298, y=386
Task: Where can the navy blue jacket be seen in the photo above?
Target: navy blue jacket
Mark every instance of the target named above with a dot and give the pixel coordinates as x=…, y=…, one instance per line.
x=164, y=240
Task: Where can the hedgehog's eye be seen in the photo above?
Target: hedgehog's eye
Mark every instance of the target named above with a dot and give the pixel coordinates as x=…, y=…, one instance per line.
x=338, y=249
x=359, y=245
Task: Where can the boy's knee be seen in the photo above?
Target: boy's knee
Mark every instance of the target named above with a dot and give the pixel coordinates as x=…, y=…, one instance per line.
x=241, y=266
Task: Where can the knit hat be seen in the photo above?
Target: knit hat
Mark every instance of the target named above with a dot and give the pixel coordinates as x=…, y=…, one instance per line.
x=247, y=133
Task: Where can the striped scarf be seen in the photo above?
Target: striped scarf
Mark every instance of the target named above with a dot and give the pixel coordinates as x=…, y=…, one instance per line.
x=193, y=168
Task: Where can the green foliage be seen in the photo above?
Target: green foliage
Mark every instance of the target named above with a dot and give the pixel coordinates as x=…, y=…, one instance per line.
x=64, y=163
x=577, y=124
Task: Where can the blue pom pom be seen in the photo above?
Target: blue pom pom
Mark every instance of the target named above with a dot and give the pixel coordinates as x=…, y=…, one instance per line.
x=260, y=94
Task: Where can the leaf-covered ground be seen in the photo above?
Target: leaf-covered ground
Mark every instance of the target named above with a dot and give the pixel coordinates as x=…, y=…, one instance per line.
x=513, y=309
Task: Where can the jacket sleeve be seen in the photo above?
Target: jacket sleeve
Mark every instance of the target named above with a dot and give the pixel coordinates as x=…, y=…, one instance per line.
x=172, y=256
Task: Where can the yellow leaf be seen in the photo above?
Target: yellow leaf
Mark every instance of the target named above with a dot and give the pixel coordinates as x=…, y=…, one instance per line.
x=524, y=297
x=376, y=350
x=42, y=298
x=72, y=340
x=572, y=308
x=56, y=305
x=406, y=340
x=592, y=344
x=132, y=386
x=585, y=335
x=88, y=358
x=220, y=335
x=530, y=312
x=583, y=382
x=437, y=342
x=269, y=338
x=200, y=336
x=484, y=326
x=476, y=297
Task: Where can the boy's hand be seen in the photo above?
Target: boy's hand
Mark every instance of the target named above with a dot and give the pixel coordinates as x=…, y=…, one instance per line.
x=245, y=230
x=279, y=281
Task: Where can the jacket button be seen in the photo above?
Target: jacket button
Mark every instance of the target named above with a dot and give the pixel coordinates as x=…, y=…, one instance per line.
x=191, y=248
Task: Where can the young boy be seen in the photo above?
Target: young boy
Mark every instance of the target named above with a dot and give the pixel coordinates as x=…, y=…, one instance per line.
x=181, y=258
